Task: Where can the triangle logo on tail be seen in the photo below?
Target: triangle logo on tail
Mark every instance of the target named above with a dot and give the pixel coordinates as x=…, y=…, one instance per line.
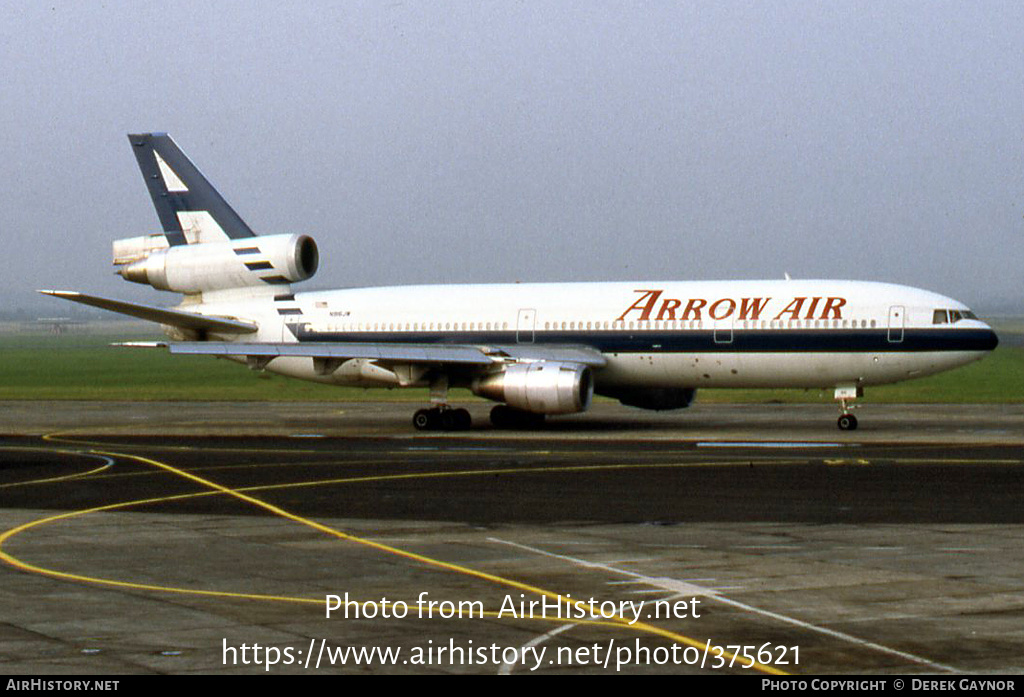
x=171, y=180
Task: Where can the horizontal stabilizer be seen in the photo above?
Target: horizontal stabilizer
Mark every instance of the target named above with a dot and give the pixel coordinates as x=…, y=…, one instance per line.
x=174, y=318
x=140, y=344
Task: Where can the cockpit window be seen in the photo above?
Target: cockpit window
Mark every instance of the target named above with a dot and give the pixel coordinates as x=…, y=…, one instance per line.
x=951, y=316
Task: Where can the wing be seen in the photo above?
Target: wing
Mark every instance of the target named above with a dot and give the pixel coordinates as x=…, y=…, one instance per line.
x=174, y=318
x=394, y=353
x=403, y=353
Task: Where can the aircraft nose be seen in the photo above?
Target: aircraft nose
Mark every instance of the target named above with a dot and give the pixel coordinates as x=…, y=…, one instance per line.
x=991, y=340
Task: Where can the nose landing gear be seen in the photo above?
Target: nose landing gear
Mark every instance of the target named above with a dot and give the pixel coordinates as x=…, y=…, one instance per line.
x=845, y=394
x=847, y=422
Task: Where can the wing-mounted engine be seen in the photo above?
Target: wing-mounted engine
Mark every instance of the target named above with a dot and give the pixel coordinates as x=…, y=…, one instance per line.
x=541, y=387
x=238, y=263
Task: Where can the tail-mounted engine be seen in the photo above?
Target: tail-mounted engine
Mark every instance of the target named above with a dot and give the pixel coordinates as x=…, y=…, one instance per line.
x=543, y=387
x=238, y=263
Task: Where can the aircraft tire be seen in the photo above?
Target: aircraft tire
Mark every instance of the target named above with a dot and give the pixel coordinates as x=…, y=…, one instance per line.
x=847, y=422
x=463, y=420
x=449, y=420
x=423, y=420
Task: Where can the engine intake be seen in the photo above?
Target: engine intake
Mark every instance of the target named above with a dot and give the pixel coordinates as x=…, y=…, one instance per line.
x=543, y=387
x=193, y=268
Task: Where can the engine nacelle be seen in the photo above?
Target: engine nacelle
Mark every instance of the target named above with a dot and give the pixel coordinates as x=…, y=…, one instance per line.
x=654, y=398
x=543, y=387
x=239, y=263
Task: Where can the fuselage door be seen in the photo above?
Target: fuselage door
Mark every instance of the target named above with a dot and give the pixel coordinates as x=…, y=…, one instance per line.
x=897, y=316
x=525, y=326
x=723, y=330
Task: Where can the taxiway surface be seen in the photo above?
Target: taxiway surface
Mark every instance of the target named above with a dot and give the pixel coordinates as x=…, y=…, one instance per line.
x=176, y=538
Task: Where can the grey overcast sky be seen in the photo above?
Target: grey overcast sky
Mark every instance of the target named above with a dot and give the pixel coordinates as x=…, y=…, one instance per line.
x=446, y=142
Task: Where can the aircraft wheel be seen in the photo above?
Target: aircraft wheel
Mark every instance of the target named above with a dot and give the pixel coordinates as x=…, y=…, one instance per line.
x=500, y=417
x=847, y=422
x=423, y=420
x=449, y=420
x=463, y=420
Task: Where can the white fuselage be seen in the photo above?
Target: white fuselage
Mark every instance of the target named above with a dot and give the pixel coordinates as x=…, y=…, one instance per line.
x=787, y=333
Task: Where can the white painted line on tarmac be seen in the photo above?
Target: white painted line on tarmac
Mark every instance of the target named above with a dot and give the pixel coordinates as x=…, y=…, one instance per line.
x=506, y=668
x=689, y=589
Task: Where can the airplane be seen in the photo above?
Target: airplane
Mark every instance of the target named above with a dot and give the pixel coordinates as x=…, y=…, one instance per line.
x=537, y=349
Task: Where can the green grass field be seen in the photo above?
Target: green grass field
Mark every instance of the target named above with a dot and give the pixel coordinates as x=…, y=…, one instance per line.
x=83, y=366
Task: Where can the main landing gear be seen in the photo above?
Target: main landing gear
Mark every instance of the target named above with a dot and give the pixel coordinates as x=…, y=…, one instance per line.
x=845, y=394
x=442, y=419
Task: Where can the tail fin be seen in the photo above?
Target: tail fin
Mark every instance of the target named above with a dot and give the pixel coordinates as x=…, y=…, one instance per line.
x=190, y=209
